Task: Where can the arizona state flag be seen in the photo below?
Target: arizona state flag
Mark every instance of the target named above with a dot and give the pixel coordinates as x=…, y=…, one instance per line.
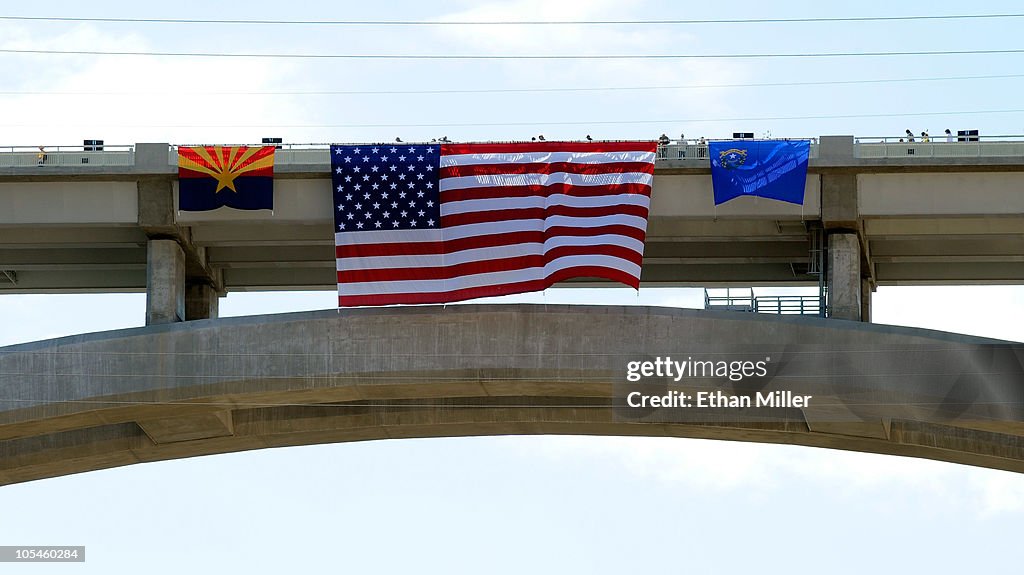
x=235, y=176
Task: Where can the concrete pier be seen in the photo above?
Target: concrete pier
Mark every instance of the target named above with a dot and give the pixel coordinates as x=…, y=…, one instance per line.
x=201, y=301
x=165, y=282
x=844, y=278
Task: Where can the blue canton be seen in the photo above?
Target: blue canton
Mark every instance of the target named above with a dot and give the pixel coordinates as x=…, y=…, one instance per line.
x=386, y=187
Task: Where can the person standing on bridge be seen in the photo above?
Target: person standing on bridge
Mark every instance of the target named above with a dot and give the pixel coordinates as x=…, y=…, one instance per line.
x=949, y=136
x=41, y=156
x=910, y=136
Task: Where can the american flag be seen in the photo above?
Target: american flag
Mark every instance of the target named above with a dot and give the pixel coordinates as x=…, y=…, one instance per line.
x=427, y=223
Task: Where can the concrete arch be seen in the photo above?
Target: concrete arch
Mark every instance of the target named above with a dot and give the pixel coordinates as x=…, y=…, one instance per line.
x=162, y=392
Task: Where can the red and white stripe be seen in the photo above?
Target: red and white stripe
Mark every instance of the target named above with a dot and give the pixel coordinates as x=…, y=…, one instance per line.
x=514, y=218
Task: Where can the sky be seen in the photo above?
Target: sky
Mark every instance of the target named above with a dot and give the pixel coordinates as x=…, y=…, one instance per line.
x=512, y=504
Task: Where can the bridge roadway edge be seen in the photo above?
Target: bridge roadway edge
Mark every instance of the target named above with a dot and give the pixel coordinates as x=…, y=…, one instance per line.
x=235, y=384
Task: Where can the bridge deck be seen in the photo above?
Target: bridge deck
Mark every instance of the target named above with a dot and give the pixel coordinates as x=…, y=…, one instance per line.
x=936, y=213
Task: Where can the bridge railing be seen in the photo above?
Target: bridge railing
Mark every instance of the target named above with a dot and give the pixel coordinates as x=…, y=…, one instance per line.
x=319, y=153
x=65, y=156
x=682, y=151
x=744, y=300
x=1005, y=146
x=729, y=299
x=285, y=154
x=788, y=304
x=696, y=150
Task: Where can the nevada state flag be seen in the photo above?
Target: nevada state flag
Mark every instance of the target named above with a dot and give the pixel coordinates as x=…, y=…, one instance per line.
x=774, y=169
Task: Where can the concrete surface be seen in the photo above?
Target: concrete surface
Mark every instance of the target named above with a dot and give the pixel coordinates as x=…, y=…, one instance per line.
x=165, y=284
x=212, y=386
x=921, y=219
x=844, y=276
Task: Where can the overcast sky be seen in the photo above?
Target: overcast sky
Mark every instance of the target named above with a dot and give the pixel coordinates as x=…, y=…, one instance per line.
x=514, y=504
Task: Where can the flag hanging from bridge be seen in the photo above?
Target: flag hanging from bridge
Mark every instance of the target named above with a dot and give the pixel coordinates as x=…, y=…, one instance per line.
x=774, y=169
x=443, y=223
x=210, y=177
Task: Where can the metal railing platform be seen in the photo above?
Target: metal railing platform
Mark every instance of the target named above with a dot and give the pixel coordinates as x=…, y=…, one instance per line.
x=744, y=300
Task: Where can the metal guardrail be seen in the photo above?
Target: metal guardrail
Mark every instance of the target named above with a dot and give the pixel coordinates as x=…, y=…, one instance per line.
x=65, y=156
x=746, y=301
x=788, y=304
x=682, y=151
x=319, y=153
x=904, y=150
x=285, y=154
x=694, y=150
x=743, y=301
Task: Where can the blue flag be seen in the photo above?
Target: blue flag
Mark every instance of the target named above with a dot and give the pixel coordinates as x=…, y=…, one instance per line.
x=774, y=169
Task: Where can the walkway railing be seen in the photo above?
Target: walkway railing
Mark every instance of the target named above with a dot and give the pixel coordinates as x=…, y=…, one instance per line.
x=788, y=305
x=682, y=151
x=729, y=299
x=940, y=147
x=673, y=150
x=695, y=150
x=285, y=154
x=66, y=156
x=744, y=300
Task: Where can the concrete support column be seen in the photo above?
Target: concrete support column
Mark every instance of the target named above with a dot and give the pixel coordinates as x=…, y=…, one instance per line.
x=844, y=283
x=165, y=282
x=848, y=296
x=201, y=301
x=865, y=300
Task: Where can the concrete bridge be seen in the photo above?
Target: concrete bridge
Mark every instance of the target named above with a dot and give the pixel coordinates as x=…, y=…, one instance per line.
x=874, y=214
x=203, y=387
